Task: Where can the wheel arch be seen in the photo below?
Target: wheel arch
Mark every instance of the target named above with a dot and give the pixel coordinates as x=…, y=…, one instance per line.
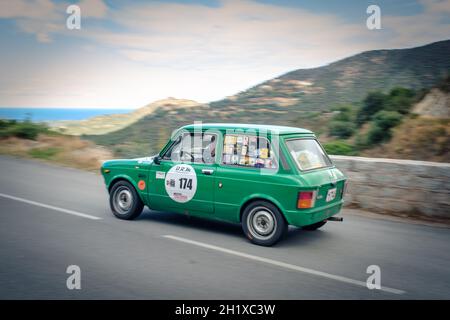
x=259, y=197
x=129, y=180
x=120, y=178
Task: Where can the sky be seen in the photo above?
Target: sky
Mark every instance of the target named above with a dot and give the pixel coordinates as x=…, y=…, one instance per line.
x=129, y=53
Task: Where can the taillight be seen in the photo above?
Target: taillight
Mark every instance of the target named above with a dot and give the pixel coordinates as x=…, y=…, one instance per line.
x=306, y=199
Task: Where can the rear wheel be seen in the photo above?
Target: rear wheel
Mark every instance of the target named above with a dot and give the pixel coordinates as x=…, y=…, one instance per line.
x=124, y=201
x=263, y=223
x=315, y=226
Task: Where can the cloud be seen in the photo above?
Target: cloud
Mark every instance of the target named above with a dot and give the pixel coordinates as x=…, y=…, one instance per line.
x=436, y=6
x=250, y=33
x=236, y=31
x=159, y=49
x=27, y=9
x=44, y=18
x=93, y=8
x=425, y=27
x=167, y=33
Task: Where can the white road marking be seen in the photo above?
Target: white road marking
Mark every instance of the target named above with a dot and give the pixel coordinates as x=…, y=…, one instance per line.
x=47, y=206
x=282, y=264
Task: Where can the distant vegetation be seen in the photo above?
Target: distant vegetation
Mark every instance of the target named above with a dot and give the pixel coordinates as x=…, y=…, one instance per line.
x=35, y=140
x=370, y=121
x=22, y=129
x=385, y=124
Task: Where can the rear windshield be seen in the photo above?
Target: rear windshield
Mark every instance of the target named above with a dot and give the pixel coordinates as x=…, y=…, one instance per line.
x=308, y=154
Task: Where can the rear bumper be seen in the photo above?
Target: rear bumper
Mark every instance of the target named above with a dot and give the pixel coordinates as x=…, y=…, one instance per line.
x=301, y=218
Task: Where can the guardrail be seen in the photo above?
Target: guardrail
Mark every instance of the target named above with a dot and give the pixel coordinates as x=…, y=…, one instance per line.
x=397, y=186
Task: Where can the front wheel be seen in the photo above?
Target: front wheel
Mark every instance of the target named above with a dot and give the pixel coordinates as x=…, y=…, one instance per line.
x=124, y=201
x=263, y=223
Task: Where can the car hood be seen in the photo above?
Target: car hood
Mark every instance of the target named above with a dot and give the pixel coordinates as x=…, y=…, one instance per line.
x=127, y=162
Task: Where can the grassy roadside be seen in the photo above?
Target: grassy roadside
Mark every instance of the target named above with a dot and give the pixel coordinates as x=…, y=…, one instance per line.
x=35, y=141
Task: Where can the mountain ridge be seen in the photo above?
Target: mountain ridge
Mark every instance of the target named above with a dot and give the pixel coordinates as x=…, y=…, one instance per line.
x=104, y=124
x=292, y=96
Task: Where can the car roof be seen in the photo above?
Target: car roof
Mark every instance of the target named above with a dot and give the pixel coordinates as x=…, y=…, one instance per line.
x=256, y=127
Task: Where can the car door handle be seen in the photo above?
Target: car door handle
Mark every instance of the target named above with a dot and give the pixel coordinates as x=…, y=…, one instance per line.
x=208, y=171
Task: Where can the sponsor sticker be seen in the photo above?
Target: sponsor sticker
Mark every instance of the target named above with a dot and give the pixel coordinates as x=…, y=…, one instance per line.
x=160, y=175
x=181, y=183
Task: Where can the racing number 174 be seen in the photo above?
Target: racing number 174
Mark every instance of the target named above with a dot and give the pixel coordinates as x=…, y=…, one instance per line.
x=185, y=183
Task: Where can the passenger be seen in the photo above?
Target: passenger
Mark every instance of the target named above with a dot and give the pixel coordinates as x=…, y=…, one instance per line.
x=210, y=151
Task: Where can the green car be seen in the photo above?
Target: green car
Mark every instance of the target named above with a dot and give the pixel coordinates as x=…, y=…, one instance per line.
x=265, y=177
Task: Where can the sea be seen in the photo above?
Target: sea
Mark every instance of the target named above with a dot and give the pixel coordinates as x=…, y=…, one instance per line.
x=55, y=114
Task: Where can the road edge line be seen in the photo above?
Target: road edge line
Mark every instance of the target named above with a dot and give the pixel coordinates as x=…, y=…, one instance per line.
x=282, y=264
x=48, y=206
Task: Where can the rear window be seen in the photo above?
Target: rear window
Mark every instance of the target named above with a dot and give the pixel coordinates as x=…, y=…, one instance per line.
x=308, y=154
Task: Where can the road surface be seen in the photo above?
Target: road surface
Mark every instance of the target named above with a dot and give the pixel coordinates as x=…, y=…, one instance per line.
x=52, y=217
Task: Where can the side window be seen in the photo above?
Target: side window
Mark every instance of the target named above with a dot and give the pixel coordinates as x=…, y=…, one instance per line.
x=248, y=151
x=198, y=148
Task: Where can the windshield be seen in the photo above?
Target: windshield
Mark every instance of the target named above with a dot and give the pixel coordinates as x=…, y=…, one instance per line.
x=308, y=154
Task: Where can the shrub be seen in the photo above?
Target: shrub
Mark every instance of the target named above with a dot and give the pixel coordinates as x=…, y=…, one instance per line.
x=400, y=100
x=24, y=130
x=342, y=129
x=382, y=123
x=373, y=103
x=376, y=135
x=339, y=148
x=387, y=119
x=4, y=124
x=345, y=113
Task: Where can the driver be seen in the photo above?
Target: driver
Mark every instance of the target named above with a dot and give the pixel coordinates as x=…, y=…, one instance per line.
x=209, y=153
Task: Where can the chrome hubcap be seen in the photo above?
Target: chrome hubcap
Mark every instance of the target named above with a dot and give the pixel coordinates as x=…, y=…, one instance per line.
x=123, y=200
x=261, y=222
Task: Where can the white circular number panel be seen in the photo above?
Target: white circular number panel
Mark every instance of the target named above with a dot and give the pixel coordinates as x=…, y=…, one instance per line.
x=181, y=183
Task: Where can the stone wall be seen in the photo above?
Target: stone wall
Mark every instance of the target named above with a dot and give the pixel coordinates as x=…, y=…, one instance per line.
x=397, y=186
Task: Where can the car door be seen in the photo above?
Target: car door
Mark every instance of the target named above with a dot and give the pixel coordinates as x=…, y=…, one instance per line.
x=183, y=181
x=248, y=168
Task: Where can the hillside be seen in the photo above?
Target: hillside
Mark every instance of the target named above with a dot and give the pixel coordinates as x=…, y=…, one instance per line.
x=436, y=104
x=344, y=81
x=295, y=98
x=107, y=123
x=425, y=134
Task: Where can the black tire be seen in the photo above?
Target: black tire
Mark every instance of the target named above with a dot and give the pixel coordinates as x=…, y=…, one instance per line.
x=315, y=226
x=124, y=201
x=263, y=224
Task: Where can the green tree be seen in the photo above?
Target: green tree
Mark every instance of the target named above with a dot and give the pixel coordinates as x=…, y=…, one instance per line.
x=373, y=103
x=25, y=129
x=387, y=119
x=382, y=123
x=342, y=129
x=376, y=135
x=345, y=113
x=400, y=100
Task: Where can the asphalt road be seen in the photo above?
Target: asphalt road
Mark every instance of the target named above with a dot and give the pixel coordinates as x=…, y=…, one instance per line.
x=48, y=222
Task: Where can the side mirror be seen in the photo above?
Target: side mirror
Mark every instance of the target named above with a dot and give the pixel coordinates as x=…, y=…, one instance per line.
x=157, y=159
